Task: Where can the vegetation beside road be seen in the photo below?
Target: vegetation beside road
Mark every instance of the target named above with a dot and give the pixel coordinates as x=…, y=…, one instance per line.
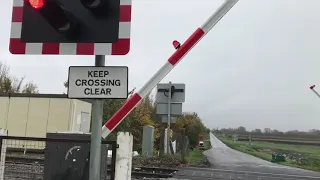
x=171, y=162
x=274, y=134
x=189, y=124
x=301, y=156
x=196, y=156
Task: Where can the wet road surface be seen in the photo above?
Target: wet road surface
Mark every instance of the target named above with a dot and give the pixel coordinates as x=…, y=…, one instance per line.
x=231, y=164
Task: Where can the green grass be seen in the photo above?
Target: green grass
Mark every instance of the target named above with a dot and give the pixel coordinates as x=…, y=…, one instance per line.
x=302, y=156
x=207, y=144
x=196, y=156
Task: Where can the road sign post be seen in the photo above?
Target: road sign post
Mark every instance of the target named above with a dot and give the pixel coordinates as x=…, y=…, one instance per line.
x=97, y=82
x=95, y=146
x=169, y=99
x=169, y=117
x=175, y=58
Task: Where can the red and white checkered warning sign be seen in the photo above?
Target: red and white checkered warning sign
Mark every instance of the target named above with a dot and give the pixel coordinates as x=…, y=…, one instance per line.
x=121, y=47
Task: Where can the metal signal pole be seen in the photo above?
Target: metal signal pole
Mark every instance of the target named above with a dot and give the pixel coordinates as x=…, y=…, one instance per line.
x=169, y=118
x=97, y=114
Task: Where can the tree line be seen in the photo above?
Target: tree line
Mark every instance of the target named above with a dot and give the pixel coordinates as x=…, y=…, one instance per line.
x=312, y=133
x=144, y=114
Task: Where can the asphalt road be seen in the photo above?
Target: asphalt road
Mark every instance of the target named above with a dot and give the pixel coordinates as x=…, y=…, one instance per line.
x=231, y=164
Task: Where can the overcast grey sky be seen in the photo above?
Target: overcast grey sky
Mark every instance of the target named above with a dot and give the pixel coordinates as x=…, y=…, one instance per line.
x=253, y=69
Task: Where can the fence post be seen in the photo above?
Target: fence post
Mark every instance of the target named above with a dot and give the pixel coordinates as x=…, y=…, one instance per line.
x=147, y=141
x=124, y=156
x=183, y=149
x=161, y=142
x=3, y=150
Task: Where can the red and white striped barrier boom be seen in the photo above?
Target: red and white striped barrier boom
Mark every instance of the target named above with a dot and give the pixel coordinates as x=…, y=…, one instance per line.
x=113, y=122
x=312, y=89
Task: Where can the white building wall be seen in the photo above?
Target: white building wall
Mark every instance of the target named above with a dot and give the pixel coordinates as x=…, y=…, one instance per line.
x=35, y=116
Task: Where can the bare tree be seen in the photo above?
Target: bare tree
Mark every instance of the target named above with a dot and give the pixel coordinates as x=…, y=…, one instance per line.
x=30, y=88
x=12, y=84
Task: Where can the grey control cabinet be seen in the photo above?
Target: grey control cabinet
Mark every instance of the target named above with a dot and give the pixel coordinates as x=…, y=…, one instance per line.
x=67, y=156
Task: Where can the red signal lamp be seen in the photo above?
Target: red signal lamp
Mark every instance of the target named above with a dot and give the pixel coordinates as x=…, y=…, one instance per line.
x=36, y=4
x=176, y=44
x=312, y=87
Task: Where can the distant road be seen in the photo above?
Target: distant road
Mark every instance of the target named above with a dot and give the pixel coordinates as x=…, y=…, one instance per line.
x=231, y=164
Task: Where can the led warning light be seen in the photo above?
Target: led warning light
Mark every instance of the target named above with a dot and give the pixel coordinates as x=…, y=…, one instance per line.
x=176, y=44
x=312, y=87
x=36, y=4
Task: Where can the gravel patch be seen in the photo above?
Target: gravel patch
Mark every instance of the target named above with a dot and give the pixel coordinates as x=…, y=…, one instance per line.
x=23, y=171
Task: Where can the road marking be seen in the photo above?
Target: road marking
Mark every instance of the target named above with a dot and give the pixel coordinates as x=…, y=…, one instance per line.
x=284, y=167
x=257, y=173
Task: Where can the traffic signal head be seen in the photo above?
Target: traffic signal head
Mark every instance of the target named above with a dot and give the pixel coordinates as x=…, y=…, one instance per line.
x=70, y=21
x=70, y=27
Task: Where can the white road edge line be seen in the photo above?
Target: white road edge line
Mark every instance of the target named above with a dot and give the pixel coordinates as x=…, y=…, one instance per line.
x=283, y=167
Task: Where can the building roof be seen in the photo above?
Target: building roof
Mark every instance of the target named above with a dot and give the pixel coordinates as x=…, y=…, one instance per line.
x=64, y=96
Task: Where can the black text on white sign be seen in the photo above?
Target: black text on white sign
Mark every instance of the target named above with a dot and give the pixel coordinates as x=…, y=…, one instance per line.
x=98, y=82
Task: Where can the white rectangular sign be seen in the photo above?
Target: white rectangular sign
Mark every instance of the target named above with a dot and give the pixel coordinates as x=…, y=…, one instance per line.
x=108, y=82
x=165, y=119
x=176, y=108
x=178, y=96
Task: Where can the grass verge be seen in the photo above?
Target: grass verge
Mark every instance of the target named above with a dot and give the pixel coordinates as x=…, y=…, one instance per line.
x=196, y=156
x=301, y=156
